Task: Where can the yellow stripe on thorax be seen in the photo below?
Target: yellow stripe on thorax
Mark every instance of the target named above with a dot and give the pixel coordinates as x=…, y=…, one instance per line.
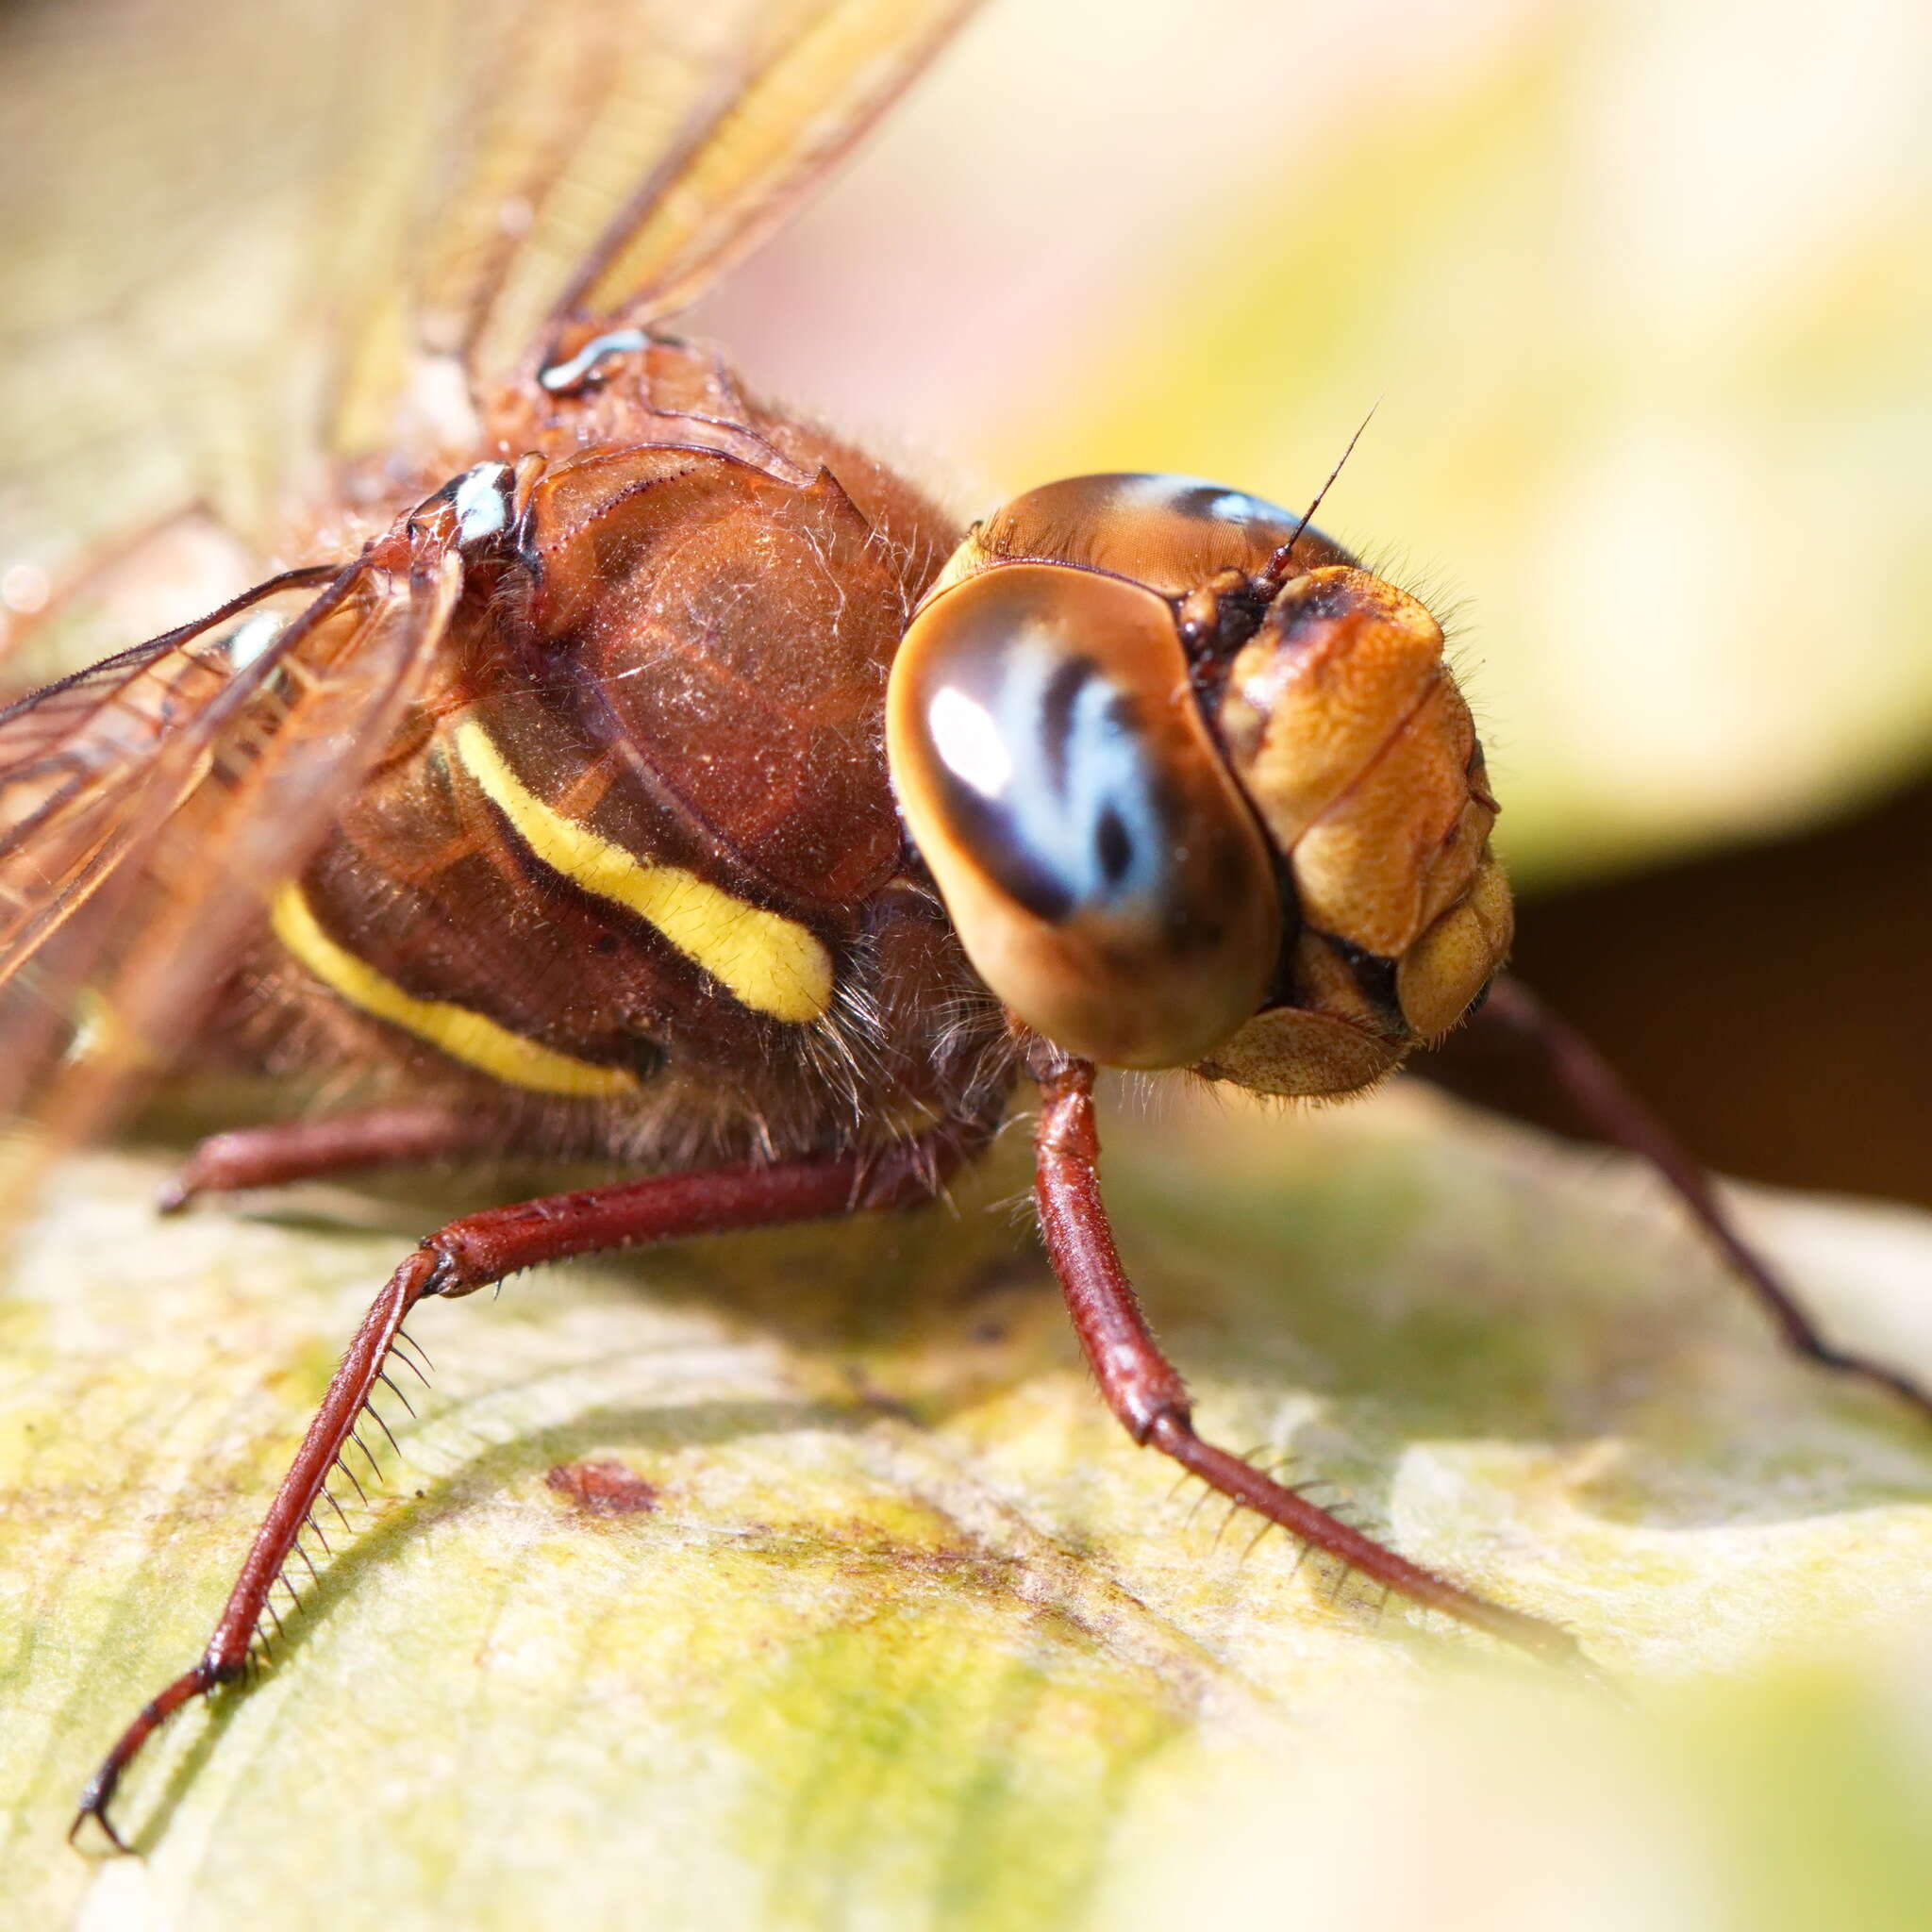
x=464, y=1036
x=769, y=963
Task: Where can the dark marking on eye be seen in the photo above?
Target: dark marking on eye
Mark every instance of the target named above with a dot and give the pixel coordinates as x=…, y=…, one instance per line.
x=1112, y=846
x=991, y=831
x=1031, y=886
x=1201, y=502
x=1057, y=716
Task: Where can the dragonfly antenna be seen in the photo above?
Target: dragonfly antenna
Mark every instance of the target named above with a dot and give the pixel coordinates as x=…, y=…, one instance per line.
x=1276, y=574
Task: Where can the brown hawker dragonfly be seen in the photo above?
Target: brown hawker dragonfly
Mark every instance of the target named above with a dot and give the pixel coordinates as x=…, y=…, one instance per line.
x=620, y=766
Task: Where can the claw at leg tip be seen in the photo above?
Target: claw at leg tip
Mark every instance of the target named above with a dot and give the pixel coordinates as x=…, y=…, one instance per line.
x=95, y=1806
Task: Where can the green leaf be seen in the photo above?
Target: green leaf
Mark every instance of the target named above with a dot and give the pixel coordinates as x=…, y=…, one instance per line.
x=802, y=1581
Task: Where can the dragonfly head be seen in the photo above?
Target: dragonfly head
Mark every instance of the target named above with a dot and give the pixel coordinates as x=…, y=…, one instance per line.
x=1197, y=790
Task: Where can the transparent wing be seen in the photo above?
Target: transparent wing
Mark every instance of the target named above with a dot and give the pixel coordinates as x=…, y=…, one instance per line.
x=149, y=807
x=196, y=194
x=618, y=157
x=226, y=227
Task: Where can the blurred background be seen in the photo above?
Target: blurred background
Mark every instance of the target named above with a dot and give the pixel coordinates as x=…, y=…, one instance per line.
x=1641, y=295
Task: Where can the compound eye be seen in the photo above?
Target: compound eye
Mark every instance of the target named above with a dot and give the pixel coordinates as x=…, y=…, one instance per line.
x=1172, y=533
x=1104, y=874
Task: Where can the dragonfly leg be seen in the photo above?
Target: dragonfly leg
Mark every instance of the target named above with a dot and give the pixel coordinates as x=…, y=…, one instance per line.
x=283, y=1151
x=483, y=1248
x=1614, y=1113
x=1147, y=1396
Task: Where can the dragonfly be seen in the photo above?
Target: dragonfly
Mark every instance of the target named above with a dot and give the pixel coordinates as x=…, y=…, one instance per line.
x=616, y=765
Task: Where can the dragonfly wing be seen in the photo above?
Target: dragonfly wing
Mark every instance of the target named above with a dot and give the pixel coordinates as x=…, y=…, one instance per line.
x=196, y=196
x=233, y=228
x=149, y=807
x=618, y=168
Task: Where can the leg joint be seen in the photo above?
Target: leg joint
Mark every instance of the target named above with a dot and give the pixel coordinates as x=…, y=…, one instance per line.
x=1160, y=1423
x=443, y=1271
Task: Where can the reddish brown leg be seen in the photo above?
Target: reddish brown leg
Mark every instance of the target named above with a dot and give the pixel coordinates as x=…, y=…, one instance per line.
x=1612, y=1112
x=284, y=1151
x=484, y=1248
x=1144, y=1392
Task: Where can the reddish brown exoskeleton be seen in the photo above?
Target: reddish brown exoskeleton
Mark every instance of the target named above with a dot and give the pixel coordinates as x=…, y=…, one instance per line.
x=648, y=774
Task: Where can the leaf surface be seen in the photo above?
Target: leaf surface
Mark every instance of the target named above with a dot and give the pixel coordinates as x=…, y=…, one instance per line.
x=802, y=1581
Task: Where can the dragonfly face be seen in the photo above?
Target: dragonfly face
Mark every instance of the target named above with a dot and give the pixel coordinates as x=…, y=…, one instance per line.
x=1197, y=790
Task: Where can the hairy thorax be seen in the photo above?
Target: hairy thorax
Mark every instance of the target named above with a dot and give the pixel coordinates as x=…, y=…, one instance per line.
x=630, y=873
